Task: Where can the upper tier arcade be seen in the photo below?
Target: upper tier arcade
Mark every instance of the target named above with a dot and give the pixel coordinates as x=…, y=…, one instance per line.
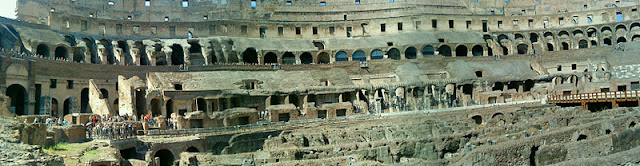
x=313, y=19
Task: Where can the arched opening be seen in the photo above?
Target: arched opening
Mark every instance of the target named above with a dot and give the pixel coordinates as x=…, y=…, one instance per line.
x=621, y=28
x=306, y=58
x=105, y=93
x=497, y=115
x=61, y=52
x=522, y=48
x=293, y=99
x=169, y=108
x=533, y=37
x=359, y=56
x=632, y=124
x=444, y=50
x=394, y=54
x=583, y=44
x=66, y=107
x=126, y=54
x=142, y=52
x=563, y=34
x=634, y=27
x=607, y=42
x=410, y=53
x=428, y=50
x=116, y=106
x=140, y=102
x=159, y=56
x=565, y=46
x=477, y=50
x=461, y=51
x=214, y=58
x=91, y=48
x=70, y=39
x=635, y=38
x=84, y=100
x=275, y=100
x=578, y=33
x=18, y=95
x=505, y=50
x=250, y=56
x=270, y=58
x=548, y=35
x=156, y=108
x=108, y=50
x=192, y=149
x=528, y=85
x=165, y=156
x=177, y=56
x=219, y=147
x=324, y=58
x=621, y=40
x=288, y=58
x=195, y=54
x=502, y=37
x=594, y=43
x=581, y=137
x=42, y=50
x=342, y=56
x=518, y=36
x=377, y=54
x=477, y=119
x=54, y=107
x=591, y=32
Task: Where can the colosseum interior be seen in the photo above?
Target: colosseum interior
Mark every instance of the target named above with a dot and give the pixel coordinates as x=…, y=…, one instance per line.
x=320, y=82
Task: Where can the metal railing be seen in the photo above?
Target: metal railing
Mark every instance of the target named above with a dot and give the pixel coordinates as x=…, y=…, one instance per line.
x=595, y=96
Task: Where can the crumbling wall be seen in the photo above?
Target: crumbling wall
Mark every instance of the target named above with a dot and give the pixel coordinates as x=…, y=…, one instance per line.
x=5, y=102
x=98, y=104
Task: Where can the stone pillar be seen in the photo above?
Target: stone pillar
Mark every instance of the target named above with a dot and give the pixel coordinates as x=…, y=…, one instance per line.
x=103, y=55
x=205, y=54
x=151, y=56
x=135, y=55
x=167, y=54
x=187, y=55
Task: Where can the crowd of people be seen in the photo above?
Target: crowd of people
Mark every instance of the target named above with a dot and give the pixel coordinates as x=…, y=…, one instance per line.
x=50, y=121
x=120, y=130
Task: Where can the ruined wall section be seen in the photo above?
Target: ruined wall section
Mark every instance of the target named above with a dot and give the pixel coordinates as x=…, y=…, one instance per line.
x=127, y=94
x=99, y=105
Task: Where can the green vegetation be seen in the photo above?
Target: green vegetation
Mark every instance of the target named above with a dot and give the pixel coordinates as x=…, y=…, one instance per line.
x=68, y=149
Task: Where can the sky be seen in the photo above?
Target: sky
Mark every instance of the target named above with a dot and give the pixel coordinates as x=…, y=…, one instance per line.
x=8, y=8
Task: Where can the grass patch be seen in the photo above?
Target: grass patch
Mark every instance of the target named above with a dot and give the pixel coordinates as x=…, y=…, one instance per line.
x=68, y=149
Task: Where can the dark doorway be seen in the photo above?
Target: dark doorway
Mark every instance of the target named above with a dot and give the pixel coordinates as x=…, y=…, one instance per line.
x=42, y=50
x=306, y=58
x=66, y=108
x=62, y=52
x=445, y=51
x=288, y=58
x=165, y=156
x=177, y=56
x=18, y=95
x=410, y=53
x=169, y=108
x=250, y=56
x=461, y=51
x=394, y=54
x=84, y=100
x=156, y=108
x=270, y=58
x=140, y=102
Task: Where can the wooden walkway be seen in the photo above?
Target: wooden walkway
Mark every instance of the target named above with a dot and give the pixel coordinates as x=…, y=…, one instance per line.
x=598, y=97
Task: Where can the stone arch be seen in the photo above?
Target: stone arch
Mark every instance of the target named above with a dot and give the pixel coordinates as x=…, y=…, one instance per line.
x=592, y=32
x=70, y=39
x=84, y=100
x=621, y=40
x=18, y=95
x=565, y=46
x=165, y=156
x=306, y=58
x=563, y=34
x=156, y=107
x=411, y=53
x=549, y=47
x=126, y=53
x=61, y=52
x=111, y=59
x=54, y=106
x=66, y=107
x=444, y=50
x=518, y=36
x=583, y=44
x=635, y=38
x=270, y=57
x=195, y=54
x=394, y=54
x=607, y=42
x=498, y=115
x=324, y=58
x=142, y=52
x=578, y=33
x=162, y=59
x=428, y=50
x=192, y=149
x=288, y=58
x=43, y=50
x=377, y=54
x=533, y=37
x=605, y=29
x=502, y=37
x=621, y=28
x=634, y=27
x=91, y=48
x=477, y=50
x=359, y=56
x=177, y=56
x=342, y=56
x=594, y=43
x=522, y=48
x=250, y=55
x=548, y=35
x=461, y=51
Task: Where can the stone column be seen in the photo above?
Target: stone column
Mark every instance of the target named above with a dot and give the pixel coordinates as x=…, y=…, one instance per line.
x=187, y=55
x=135, y=55
x=103, y=54
x=205, y=54
x=167, y=54
x=151, y=56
